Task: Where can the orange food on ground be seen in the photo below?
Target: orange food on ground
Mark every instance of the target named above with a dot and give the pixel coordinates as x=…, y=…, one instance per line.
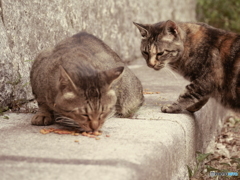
x=44, y=131
x=145, y=92
x=58, y=131
x=74, y=133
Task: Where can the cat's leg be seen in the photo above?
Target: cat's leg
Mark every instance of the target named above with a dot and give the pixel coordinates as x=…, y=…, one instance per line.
x=197, y=106
x=43, y=116
x=126, y=107
x=129, y=112
x=130, y=95
x=195, y=96
x=131, y=105
x=176, y=108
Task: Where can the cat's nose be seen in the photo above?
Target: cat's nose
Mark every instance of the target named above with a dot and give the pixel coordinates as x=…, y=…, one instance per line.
x=94, y=124
x=151, y=63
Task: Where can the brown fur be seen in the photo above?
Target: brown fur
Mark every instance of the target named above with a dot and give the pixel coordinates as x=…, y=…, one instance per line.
x=82, y=80
x=206, y=56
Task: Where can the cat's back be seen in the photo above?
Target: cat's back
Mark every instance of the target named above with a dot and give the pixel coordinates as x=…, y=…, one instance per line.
x=82, y=40
x=82, y=51
x=95, y=51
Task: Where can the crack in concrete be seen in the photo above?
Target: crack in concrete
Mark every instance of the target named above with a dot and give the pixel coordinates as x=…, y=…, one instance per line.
x=1, y=12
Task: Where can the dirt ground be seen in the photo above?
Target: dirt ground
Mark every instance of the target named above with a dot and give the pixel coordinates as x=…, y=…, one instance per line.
x=225, y=156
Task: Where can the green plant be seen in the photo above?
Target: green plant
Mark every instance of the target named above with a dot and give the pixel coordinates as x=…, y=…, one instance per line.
x=198, y=169
x=237, y=161
x=28, y=60
x=204, y=166
x=3, y=109
x=220, y=13
x=17, y=103
x=15, y=81
x=5, y=117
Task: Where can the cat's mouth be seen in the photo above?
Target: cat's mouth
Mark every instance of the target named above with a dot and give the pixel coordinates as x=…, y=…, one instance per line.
x=68, y=122
x=157, y=67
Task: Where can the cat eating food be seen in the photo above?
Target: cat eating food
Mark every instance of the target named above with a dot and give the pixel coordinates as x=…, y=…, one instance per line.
x=82, y=81
x=206, y=56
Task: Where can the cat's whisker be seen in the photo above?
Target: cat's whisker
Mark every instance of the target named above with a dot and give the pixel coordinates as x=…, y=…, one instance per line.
x=171, y=72
x=63, y=120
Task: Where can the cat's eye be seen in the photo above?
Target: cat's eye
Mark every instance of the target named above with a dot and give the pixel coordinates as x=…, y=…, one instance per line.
x=145, y=53
x=85, y=115
x=160, y=53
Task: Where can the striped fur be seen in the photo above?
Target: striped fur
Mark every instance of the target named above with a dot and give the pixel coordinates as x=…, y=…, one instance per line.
x=81, y=82
x=206, y=56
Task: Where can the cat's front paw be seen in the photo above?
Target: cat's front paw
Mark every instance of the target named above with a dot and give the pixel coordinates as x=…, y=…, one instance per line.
x=41, y=119
x=171, y=108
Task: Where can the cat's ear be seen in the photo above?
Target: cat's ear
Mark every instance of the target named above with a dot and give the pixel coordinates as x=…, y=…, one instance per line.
x=65, y=82
x=113, y=74
x=143, y=30
x=171, y=28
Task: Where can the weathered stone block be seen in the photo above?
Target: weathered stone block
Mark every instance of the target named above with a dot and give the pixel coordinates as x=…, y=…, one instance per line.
x=29, y=26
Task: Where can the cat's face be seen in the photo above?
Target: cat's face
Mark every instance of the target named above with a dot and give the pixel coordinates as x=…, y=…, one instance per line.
x=161, y=43
x=88, y=107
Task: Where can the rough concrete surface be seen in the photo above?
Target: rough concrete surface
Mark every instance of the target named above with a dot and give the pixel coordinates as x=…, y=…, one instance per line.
x=150, y=146
x=29, y=26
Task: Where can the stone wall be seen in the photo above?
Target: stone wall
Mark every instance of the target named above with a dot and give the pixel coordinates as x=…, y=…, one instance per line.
x=27, y=27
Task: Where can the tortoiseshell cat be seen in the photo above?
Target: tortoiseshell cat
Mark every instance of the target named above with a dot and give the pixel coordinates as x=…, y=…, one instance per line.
x=206, y=56
x=83, y=80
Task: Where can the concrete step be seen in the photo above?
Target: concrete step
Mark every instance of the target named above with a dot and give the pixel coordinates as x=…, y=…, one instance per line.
x=150, y=146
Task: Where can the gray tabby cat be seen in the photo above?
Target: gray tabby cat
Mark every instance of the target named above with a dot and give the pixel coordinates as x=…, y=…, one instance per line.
x=82, y=80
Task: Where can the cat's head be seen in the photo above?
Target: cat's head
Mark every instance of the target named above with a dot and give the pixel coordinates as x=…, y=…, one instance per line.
x=87, y=100
x=161, y=43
